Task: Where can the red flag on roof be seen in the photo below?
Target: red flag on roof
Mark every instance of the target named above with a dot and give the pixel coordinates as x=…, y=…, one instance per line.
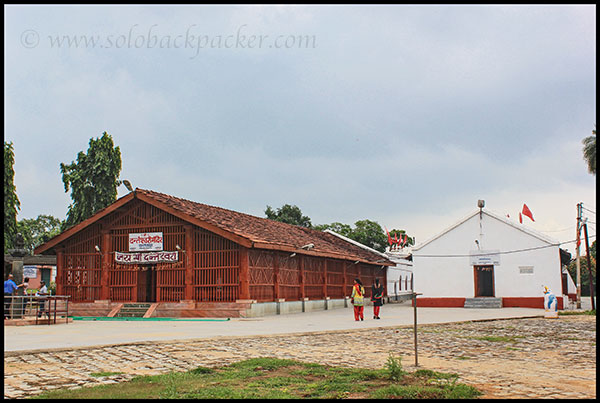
x=389, y=237
x=520, y=218
x=396, y=238
x=527, y=212
x=405, y=239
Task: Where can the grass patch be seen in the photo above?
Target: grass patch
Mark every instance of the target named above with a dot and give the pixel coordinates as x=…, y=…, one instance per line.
x=567, y=313
x=271, y=378
x=463, y=357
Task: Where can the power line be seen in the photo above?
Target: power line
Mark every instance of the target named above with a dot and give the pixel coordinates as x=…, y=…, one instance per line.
x=591, y=211
x=505, y=252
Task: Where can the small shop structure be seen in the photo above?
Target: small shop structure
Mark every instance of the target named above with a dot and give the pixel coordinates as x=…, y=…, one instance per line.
x=35, y=267
x=187, y=259
x=486, y=260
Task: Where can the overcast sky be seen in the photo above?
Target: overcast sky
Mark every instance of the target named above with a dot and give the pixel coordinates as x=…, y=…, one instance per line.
x=405, y=115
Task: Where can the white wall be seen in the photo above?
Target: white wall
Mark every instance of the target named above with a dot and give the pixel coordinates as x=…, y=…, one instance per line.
x=571, y=287
x=398, y=274
x=454, y=277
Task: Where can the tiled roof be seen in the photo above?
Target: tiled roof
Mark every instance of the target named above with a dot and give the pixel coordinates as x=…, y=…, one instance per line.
x=266, y=233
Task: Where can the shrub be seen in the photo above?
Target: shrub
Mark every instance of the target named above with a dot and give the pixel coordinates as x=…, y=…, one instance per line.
x=394, y=368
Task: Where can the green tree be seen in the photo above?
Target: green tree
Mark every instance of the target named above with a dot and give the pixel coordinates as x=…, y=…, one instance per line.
x=585, y=277
x=11, y=201
x=288, y=214
x=589, y=152
x=93, y=179
x=366, y=232
x=370, y=233
x=38, y=230
x=342, y=229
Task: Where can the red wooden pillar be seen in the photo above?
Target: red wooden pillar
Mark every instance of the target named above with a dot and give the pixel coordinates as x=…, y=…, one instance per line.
x=244, y=273
x=189, y=262
x=345, y=266
x=301, y=268
x=325, y=278
x=105, y=274
x=134, y=290
x=275, y=276
x=60, y=269
x=385, y=290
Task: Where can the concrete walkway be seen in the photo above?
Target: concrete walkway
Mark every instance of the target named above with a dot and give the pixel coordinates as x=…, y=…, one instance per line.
x=78, y=334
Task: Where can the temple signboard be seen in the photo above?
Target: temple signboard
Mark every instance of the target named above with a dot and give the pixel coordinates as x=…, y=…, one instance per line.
x=146, y=257
x=151, y=241
x=485, y=257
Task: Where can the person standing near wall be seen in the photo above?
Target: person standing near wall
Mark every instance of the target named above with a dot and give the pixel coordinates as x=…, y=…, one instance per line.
x=357, y=299
x=23, y=301
x=376, y=298
x=42, y=292
x=9, y=289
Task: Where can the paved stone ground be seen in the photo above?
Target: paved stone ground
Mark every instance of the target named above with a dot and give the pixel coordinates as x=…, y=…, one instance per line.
x=512, y=358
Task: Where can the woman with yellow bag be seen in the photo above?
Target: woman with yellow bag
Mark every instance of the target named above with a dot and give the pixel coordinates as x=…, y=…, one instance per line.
x=357, y=299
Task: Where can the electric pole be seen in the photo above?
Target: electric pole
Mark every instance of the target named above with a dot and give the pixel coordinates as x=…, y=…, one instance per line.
x=589, y=263
x=578, y=242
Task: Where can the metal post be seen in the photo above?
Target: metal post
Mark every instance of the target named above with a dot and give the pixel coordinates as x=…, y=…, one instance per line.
x=414, y=296
x=578, y=265
x=589, y=264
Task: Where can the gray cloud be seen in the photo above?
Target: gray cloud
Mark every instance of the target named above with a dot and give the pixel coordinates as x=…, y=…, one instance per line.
x=402, y=114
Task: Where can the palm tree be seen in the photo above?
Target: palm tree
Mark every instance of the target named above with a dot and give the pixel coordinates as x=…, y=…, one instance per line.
x=589, y=152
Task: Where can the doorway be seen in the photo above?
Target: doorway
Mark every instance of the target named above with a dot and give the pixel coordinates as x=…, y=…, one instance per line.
x=146, y=284
x=484, y=281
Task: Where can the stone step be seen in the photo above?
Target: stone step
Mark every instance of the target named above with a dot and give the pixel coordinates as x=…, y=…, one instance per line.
x=133, y=310
x=483, y=302
x=129, y=315
x=137, y=305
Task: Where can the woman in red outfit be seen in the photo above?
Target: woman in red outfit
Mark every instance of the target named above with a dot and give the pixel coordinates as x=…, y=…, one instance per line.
x=358, y=292
x=376, y=298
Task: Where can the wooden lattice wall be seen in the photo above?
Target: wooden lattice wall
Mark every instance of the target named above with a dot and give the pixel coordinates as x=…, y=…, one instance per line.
x=275, y=275
x=81, y=266
x=216, y=268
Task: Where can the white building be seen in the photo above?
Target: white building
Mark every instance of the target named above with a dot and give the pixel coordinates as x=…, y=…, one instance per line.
x=399, y=277
x=487, y=255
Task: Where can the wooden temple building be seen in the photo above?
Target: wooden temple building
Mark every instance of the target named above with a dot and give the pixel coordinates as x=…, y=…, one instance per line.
x=189, y=259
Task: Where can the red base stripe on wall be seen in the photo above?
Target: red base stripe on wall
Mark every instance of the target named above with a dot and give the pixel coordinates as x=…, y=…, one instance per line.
x=528, y=302
x=507, y=302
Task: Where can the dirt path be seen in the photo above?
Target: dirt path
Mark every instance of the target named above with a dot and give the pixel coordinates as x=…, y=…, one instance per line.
x=513, y=358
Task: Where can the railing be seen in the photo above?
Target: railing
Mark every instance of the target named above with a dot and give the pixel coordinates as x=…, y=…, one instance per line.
x=29, y=307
